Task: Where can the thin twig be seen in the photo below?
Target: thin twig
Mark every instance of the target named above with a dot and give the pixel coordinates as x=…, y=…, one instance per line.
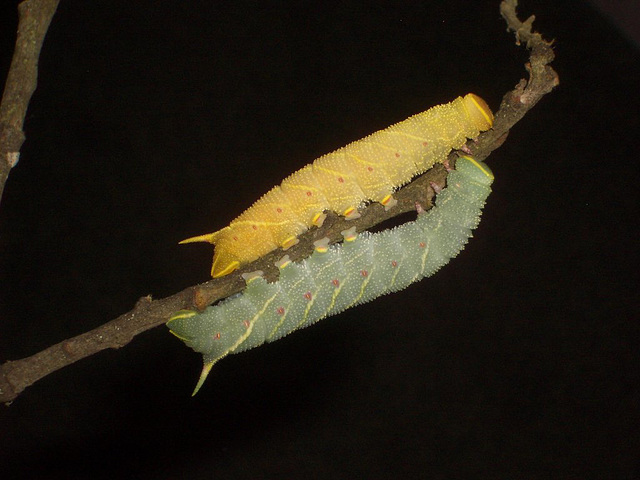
x=34, y=19
x=17, y=375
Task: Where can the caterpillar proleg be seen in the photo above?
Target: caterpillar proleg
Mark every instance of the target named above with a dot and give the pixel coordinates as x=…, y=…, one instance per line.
x=338, y=277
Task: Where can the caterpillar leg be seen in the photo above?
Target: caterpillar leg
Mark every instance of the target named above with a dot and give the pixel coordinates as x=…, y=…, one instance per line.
x=351, y=213
x=349, y=235
x=465, y=149
x=318, y=219
x=389, y=202
x=290, y=242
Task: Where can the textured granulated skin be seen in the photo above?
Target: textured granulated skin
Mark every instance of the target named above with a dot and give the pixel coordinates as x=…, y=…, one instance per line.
x=370, y=169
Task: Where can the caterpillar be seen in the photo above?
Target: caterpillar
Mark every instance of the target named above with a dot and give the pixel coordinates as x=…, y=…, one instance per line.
x=370, y=169
x=340, y=276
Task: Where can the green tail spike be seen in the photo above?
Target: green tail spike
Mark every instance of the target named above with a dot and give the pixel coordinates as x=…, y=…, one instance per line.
x=203, y=376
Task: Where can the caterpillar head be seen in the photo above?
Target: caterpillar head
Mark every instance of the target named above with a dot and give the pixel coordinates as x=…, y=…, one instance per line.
x=477, y=171
x=479, y=111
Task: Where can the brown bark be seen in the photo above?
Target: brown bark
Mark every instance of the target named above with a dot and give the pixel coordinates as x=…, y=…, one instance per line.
x=34, y=19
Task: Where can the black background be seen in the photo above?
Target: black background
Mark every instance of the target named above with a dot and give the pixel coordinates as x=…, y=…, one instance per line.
x=155, y=121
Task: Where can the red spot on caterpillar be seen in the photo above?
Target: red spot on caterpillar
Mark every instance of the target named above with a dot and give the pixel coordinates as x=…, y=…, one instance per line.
x=309, y=194
x=394, y=263
x=364, y=273
x=217, y=336
x=370, y=169
x=280, y=310
x=335, y=282
x=424, y=144
x=246, y=323
x=279, y=210
x=340, y=180
x=254, y=227
x=307, y=295
x=422, y=245
x=235, y=238
x=397, y=155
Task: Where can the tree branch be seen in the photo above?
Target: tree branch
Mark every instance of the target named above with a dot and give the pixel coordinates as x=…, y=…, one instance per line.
x=34, y=19
x=15, y=376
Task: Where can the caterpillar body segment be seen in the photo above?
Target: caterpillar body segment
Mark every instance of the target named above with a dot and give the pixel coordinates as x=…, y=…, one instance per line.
x=337, y=277
x=370, y=169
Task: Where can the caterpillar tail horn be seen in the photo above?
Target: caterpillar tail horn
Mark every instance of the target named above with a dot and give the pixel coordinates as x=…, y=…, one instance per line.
x=207, y=237
x=201, y=238
x=203, y=376
x=223, y=262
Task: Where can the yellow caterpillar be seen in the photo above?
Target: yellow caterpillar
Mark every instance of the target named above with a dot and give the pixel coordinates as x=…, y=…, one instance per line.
x=370, y=169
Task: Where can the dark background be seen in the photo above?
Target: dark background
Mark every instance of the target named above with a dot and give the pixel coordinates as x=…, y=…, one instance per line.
x=155, y=121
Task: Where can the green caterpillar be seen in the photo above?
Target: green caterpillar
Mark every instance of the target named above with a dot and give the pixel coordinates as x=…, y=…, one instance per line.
x=341, y=276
